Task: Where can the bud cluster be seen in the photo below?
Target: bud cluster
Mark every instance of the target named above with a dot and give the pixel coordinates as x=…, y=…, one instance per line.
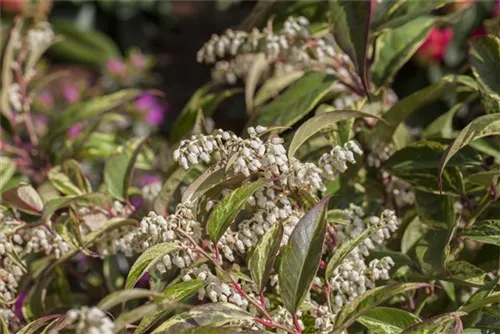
x=336, y=159
x=214, y=289
x=88, y=320
x=41, y=239
x=354, y=276
x=292, y=48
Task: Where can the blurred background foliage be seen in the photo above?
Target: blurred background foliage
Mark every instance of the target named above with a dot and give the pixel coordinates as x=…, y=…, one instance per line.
x=173, y=31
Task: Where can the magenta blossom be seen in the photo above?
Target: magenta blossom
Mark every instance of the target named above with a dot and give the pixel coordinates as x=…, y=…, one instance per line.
x=74, y=130
x=46, y=99
x=115, y=66
x=18, y=306
x=71, y=94
x=148, y=105
x=149, y=179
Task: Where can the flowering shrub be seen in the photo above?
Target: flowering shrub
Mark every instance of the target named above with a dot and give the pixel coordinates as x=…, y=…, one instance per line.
x=329, y=213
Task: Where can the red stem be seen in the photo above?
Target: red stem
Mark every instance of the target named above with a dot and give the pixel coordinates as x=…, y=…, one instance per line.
x=296, y=323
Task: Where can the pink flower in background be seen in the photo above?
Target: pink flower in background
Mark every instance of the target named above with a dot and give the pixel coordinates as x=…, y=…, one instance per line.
x=496, y=9
x=478, y=33
x=138, y=61
x=74, y=130
x=149, y=179
x=434, y=47
x=71, y=94
x=46, y=99
x=115, y=66
x=148, y=105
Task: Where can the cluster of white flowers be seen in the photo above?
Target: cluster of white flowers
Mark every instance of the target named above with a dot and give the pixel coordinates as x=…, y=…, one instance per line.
x=88, y=320
x=379, y=155
x=292, y=48
x=324, y=319
x=353, y=276
x=15, y=97
x=250, y=155
x=282, y=316
x=155, y=229
x=40, y=38
x=336, y=159
x=7, y=315
x=214, y=289
x=401, y=190
x=10, y=245
x=150, y=191
x=44, y=240
x=270, y=207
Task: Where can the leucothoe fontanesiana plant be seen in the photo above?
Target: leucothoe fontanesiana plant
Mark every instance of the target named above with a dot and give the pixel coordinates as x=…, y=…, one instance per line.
x=328, y=214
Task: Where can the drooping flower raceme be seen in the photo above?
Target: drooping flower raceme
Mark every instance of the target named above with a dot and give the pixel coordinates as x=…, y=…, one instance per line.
x=88, y=320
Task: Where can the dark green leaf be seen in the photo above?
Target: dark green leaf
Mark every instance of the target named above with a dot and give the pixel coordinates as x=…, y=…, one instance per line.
x=485, y=61
x=487, y=125
x=118, y=168
x=314, y=125
x=25, y=198
x=487, y=232
x=227, y=210
x=351, y=24
x=88, y=109
x=487, y=178
x=387, y=320
x=263, y=255
x=466, y=272
x=383, y=132
x=147, y=260
x=396, y=46
x=366, y=302
x=437, y=324
x=296, y=102
x=301, y=256
x=175, y=293
x=402, y=11
x=218, y=314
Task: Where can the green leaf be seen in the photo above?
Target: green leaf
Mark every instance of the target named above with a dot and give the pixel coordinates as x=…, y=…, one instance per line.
x=122, y=296
x=403, y=11
x=314, y=125
x=118, y=168
x=216, y=315
x=442, y=127
x=413, y=232
x=140, y=312
x=62, y=182
x=25, y=198
x=87, y=46
x=68, y=228
x=201, y=100
x=273, y=86
x=227, y=210
x=425, y=154
x=344, y=250
x=206, y=181
x=482, y=126
x=351, y=26
x=175, y=177
x=88, y=109
x=7, y=170
x=437, y=324
x=387, y=320
x=486, y=178
x=296, y=102
x=494, y=298
x=383, y=132
x=466, y=272
x=396, y=46
x=487, y=232
x=301, y=256
x=3, y=326
x=263, y=255
x=147, y=260
x=485, y=61
x=364, y=303
x=175, y=293
x=34, y=326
